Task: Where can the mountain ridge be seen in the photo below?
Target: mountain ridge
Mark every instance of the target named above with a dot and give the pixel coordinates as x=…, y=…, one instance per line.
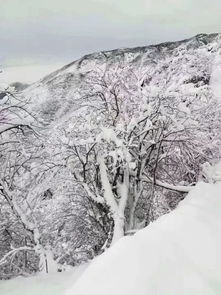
x=130, y=49
x=168, y=64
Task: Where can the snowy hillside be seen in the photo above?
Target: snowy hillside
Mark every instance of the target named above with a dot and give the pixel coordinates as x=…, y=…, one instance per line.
x=178, y=254
x=110, y=163
x=102, y=148
x=174, y=67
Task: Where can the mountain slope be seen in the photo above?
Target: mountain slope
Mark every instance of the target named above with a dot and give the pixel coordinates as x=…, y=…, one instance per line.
x=156, y=103
x=125, y=134
x=187, y=64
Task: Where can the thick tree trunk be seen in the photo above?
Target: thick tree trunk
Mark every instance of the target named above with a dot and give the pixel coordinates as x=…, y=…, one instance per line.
x=118, y=231
x=117, y=209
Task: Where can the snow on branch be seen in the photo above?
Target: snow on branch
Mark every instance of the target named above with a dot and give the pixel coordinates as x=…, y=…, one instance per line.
x=178, y=188
x=13, y=252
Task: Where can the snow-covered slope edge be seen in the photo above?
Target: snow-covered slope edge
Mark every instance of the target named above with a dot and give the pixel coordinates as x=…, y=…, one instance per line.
x=177, y=254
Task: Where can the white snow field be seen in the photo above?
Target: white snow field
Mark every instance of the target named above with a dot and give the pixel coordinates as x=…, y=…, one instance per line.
x=179, y=254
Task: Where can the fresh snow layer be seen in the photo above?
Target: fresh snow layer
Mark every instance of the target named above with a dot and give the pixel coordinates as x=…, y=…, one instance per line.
x=43, y=284
x=179, y=254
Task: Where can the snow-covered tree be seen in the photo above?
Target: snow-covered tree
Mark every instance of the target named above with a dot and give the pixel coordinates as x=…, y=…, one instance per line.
x=16, y=185
x=132, y=142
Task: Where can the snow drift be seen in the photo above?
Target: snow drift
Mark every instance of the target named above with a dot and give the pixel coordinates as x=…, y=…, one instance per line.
x=177, y=254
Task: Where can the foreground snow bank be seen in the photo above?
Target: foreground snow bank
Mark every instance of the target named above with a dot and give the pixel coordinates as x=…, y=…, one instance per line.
x=44, y=284
x=179, y=254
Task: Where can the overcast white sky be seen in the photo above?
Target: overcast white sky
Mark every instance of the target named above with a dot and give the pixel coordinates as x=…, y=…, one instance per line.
x=43, y=32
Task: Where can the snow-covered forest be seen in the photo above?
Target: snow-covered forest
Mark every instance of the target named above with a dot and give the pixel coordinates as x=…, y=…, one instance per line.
x=102, y=148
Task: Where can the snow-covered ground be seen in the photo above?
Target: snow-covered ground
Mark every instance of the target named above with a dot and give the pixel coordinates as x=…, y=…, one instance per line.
x=179, y=254
x=43, y=284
